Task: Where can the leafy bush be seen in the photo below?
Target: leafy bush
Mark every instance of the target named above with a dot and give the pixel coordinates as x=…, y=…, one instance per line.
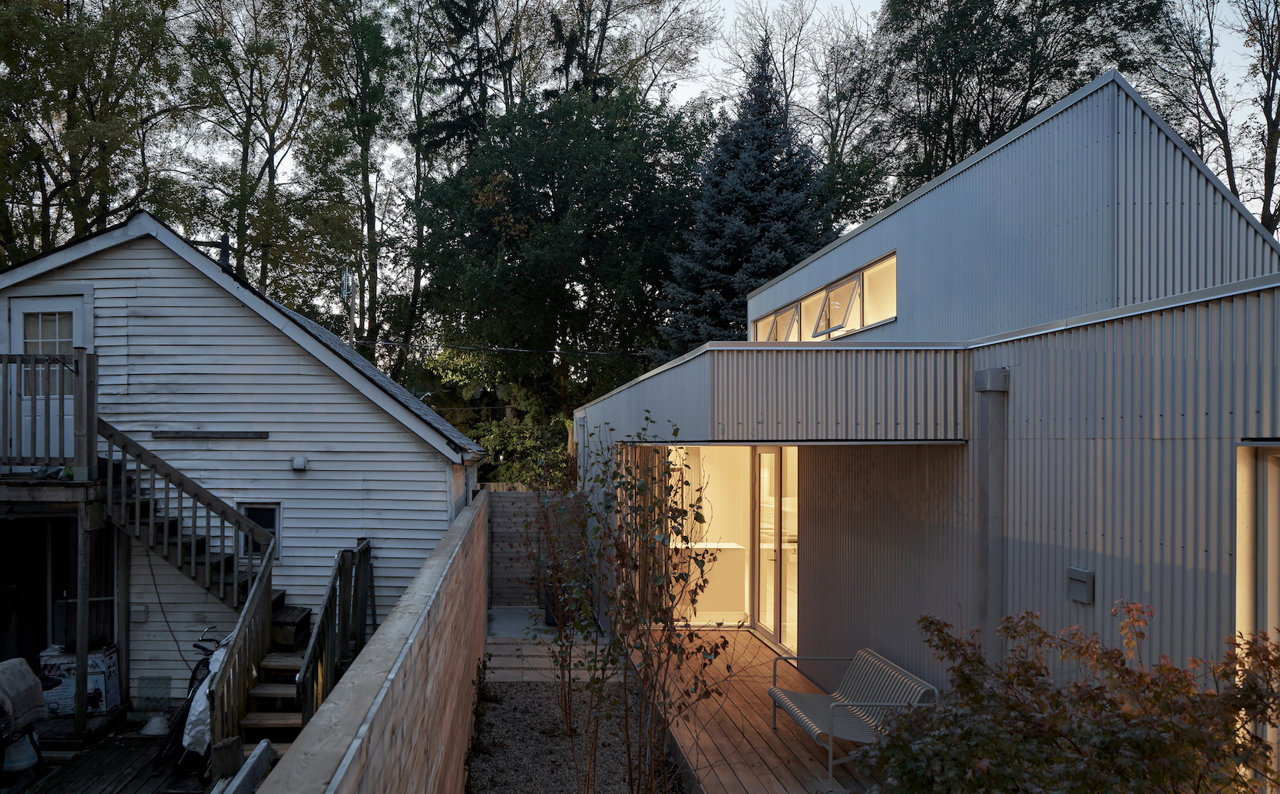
x=1119, y=724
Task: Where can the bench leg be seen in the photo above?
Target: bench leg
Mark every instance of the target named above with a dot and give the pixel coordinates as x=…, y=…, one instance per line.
x=775, y=714
x=831, y=777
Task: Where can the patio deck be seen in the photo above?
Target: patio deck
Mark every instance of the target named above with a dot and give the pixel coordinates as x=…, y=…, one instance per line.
x=731, y=745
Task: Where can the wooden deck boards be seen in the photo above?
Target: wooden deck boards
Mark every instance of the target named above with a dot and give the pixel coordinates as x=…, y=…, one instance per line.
x=116, y=766
x=731, y=745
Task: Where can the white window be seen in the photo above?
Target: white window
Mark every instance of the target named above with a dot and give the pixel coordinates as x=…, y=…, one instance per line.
x=860, y=300
x=265, y=515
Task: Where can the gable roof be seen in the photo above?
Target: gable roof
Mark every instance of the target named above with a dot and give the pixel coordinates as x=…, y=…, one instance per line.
x=322, y=344
x=1112, y=78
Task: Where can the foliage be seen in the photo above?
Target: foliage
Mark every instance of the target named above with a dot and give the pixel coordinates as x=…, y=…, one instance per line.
x=622, y=570
x=961, y=73
x=554, y=237
x=87, y=90
x=760, y=212
x=525, y=452
x=1112, y=723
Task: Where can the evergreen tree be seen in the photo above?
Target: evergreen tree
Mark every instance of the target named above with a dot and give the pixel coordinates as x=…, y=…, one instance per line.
x=760, y=212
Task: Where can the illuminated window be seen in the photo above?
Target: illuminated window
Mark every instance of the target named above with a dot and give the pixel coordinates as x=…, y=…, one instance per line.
x=865, y=298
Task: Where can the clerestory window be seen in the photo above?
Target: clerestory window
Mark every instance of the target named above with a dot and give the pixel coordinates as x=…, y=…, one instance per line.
x=865, y=298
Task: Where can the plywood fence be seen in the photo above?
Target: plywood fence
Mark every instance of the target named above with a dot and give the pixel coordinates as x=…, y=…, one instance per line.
x=401, y=717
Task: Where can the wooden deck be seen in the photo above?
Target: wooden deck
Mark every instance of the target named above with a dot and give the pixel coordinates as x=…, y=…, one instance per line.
x=119, y=765
x=730, y=743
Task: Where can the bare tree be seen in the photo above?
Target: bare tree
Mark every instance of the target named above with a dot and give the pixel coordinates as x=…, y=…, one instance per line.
x=1230, y=117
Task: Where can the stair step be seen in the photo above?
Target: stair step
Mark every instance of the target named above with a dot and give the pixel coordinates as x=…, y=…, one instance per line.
x=277, y=600
x=289, y=662
x=280, y=747
x=271, y=720
x=274, y=691
x=290, y=628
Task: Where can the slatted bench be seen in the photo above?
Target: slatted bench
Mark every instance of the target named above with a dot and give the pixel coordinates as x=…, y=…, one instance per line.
x=871, y=689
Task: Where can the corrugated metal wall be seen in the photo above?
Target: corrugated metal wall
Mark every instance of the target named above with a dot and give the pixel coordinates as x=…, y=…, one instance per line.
x=884, y=539
x=822, y=393
x=1121, y=458
x=1020, y=238
x=675, y=397
x=1176, y=232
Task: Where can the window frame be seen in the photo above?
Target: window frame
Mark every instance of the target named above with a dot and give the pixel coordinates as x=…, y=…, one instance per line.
x=832, y=332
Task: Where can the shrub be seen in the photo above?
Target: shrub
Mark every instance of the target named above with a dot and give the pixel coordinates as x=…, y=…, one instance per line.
x=1107, y=721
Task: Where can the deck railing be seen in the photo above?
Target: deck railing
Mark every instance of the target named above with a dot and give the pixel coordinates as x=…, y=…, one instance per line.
x=248, y=644
x=341, y=627
x=179, y=519
x=48, y=411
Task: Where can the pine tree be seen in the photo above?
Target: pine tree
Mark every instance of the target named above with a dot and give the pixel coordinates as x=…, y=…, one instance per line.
x=760, y=212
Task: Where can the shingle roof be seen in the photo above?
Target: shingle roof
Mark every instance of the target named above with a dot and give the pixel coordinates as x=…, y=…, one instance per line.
x=382, y=380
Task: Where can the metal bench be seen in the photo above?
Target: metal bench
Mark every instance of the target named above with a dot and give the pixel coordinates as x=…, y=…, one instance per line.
x=872, y=687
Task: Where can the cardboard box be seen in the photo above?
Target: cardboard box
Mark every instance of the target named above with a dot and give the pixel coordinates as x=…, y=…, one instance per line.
x=103, y=682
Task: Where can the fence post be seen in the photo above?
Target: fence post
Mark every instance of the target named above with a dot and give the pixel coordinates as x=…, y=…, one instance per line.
x=344, y=606
x=85, y=399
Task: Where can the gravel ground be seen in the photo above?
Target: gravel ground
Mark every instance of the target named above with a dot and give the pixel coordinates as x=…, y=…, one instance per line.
x=519, y=745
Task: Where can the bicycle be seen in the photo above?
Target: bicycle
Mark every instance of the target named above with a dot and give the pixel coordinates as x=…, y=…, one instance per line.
x=178, y=722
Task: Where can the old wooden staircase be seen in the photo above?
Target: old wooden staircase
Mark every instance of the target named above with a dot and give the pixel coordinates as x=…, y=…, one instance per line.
x=277, y=667
x=276, y=670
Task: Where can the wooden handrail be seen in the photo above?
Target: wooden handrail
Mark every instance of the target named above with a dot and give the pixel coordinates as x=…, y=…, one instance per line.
x=341, y=627
x=34, y=426
x=198, y=492
x=249, y=642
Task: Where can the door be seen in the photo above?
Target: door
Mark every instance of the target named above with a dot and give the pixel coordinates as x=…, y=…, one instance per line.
x=777, y=543
x=42, y=411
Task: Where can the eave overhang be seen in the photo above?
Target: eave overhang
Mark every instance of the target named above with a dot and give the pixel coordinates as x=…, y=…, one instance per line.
x=760, y=393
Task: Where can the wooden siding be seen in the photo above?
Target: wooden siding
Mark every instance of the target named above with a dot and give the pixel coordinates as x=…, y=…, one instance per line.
x=172, y=603
x=510, y=571
x=177, y=352
x=401, y=717
x=884, y=539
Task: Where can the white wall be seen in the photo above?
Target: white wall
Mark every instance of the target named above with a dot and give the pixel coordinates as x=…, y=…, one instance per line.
x=177, y=352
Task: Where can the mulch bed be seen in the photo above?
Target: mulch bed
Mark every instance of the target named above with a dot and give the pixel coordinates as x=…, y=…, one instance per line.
x=520, y=745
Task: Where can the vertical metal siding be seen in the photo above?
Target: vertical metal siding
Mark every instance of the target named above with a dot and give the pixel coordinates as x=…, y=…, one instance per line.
x=674, y=398
x=823, y=393
x=884, y=539
x=1020, y=238
x=1176, y=232
x=1121, y=458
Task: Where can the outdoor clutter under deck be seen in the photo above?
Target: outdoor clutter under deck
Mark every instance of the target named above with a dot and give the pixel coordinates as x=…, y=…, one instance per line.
x=730, y=742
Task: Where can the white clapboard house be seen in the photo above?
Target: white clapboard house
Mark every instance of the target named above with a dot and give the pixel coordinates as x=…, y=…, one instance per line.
x=1046, y=380
x=164, y=425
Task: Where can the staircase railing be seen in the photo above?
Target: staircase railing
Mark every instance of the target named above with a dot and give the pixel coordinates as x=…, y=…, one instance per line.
x=208, y=540
x=249, y=643
x=340, y=629
x=48, y=410
x=177, y=518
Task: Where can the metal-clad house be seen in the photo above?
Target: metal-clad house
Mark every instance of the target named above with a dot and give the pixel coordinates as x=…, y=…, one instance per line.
x=262, y=413
x=1047, y=380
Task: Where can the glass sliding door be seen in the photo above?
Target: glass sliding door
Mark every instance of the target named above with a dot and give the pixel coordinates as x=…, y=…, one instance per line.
x=767, y=521
x=777, y=543
x=788, y=546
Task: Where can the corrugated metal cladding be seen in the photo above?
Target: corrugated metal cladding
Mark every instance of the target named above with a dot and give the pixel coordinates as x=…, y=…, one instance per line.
x=822, y=393
x=1176, y=231
x=1122, y=444
x=1021, y=237
x=676, y=397
x=884, y=539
